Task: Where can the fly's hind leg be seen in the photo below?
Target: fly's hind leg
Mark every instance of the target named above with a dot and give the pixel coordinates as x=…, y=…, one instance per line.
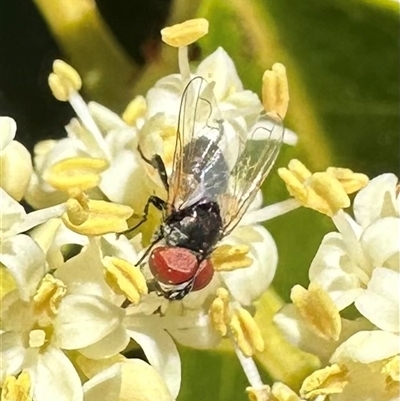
x=157, y=202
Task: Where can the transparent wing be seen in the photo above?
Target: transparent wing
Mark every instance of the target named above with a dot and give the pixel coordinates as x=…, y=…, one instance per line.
x=254, y=161
x=200, y=169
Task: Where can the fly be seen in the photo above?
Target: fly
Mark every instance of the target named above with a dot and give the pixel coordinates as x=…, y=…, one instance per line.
x=217, y=170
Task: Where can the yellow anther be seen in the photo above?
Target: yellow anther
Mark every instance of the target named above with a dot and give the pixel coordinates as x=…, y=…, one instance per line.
x=260, y=394
x=330, y=380
x=251, y=330
x=126, y=278
x=231, y=257
x=299, y=170
x=104, y=217
x=350, y=181
x=275, y=91
x=37, y=338
x=330, y=189
x=246, y=332
x=185, y=33
x=318, y=311
x=220, y=312
x=49, y=294
x=323, y=192
x=77, y=214
x=391, y=372
x=239, y=336
x=135, y=109
x=17, y=389
x=75, y=173
x=64, y=80
x=281, y=392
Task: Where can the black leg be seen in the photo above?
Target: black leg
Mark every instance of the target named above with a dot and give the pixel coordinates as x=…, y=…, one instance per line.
x=153, y=200
x=159, y=165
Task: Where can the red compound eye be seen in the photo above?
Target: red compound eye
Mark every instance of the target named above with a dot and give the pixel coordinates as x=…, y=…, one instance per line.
x=204, y=276
x=174, y=265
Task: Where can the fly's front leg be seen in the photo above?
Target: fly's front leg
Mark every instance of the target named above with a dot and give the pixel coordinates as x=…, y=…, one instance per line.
x=157, y=202
x=159, y=165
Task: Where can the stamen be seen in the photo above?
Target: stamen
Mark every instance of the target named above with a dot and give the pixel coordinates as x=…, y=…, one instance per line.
x=270, y=212
x=183, y=62
x=65, y=84
x=103, y=218
x=135, y=110
x=126, y=277
x=250, y=370
x=49, y=294
x=64, y=81
x=391, y=372
x=230, y=257
x=326, y=381
x=17, y=389
x=262, y=394
x=219, y=312
x=186, y=33
x=76, y=173
x=275, y=91
x=351, y=181
x=318, y=310
x=323, y=192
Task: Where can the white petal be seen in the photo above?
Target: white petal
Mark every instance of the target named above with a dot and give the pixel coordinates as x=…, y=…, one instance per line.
x=12, y=213
x=12, y=354
x=38, y=217
x=121, y=181
x=105, y=386
x=26, y=262
x=85, y=319
x=297, y=333
x=119, y=247
x=247, y=284
x=110, y=345
x=342, y=288
x=381, y=241
x=380, y=301
x=8, y=128
x=105, y=118
x=164, y=100
x=376, y=200
x=15, y=169
x=83, y=274
x=55, y=378
x=162, y=354
x=194, y=329
x=330, y=254
x=219, y=68
x=367, y=347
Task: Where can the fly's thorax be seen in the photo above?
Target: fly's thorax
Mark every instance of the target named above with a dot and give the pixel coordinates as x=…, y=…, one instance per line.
x=197, y=227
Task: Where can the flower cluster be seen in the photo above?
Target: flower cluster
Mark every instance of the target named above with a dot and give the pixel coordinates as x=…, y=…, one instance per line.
x=73, y=300
x=76, y=305
x=358, y=265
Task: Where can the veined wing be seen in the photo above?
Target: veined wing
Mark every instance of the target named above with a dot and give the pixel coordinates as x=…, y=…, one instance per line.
x=200, y=169
x=252, y=166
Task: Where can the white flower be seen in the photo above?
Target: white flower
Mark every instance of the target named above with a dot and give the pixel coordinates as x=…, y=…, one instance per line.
x=131, y=379
x=15, y=161
x=361, y=263
x=370, y=359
